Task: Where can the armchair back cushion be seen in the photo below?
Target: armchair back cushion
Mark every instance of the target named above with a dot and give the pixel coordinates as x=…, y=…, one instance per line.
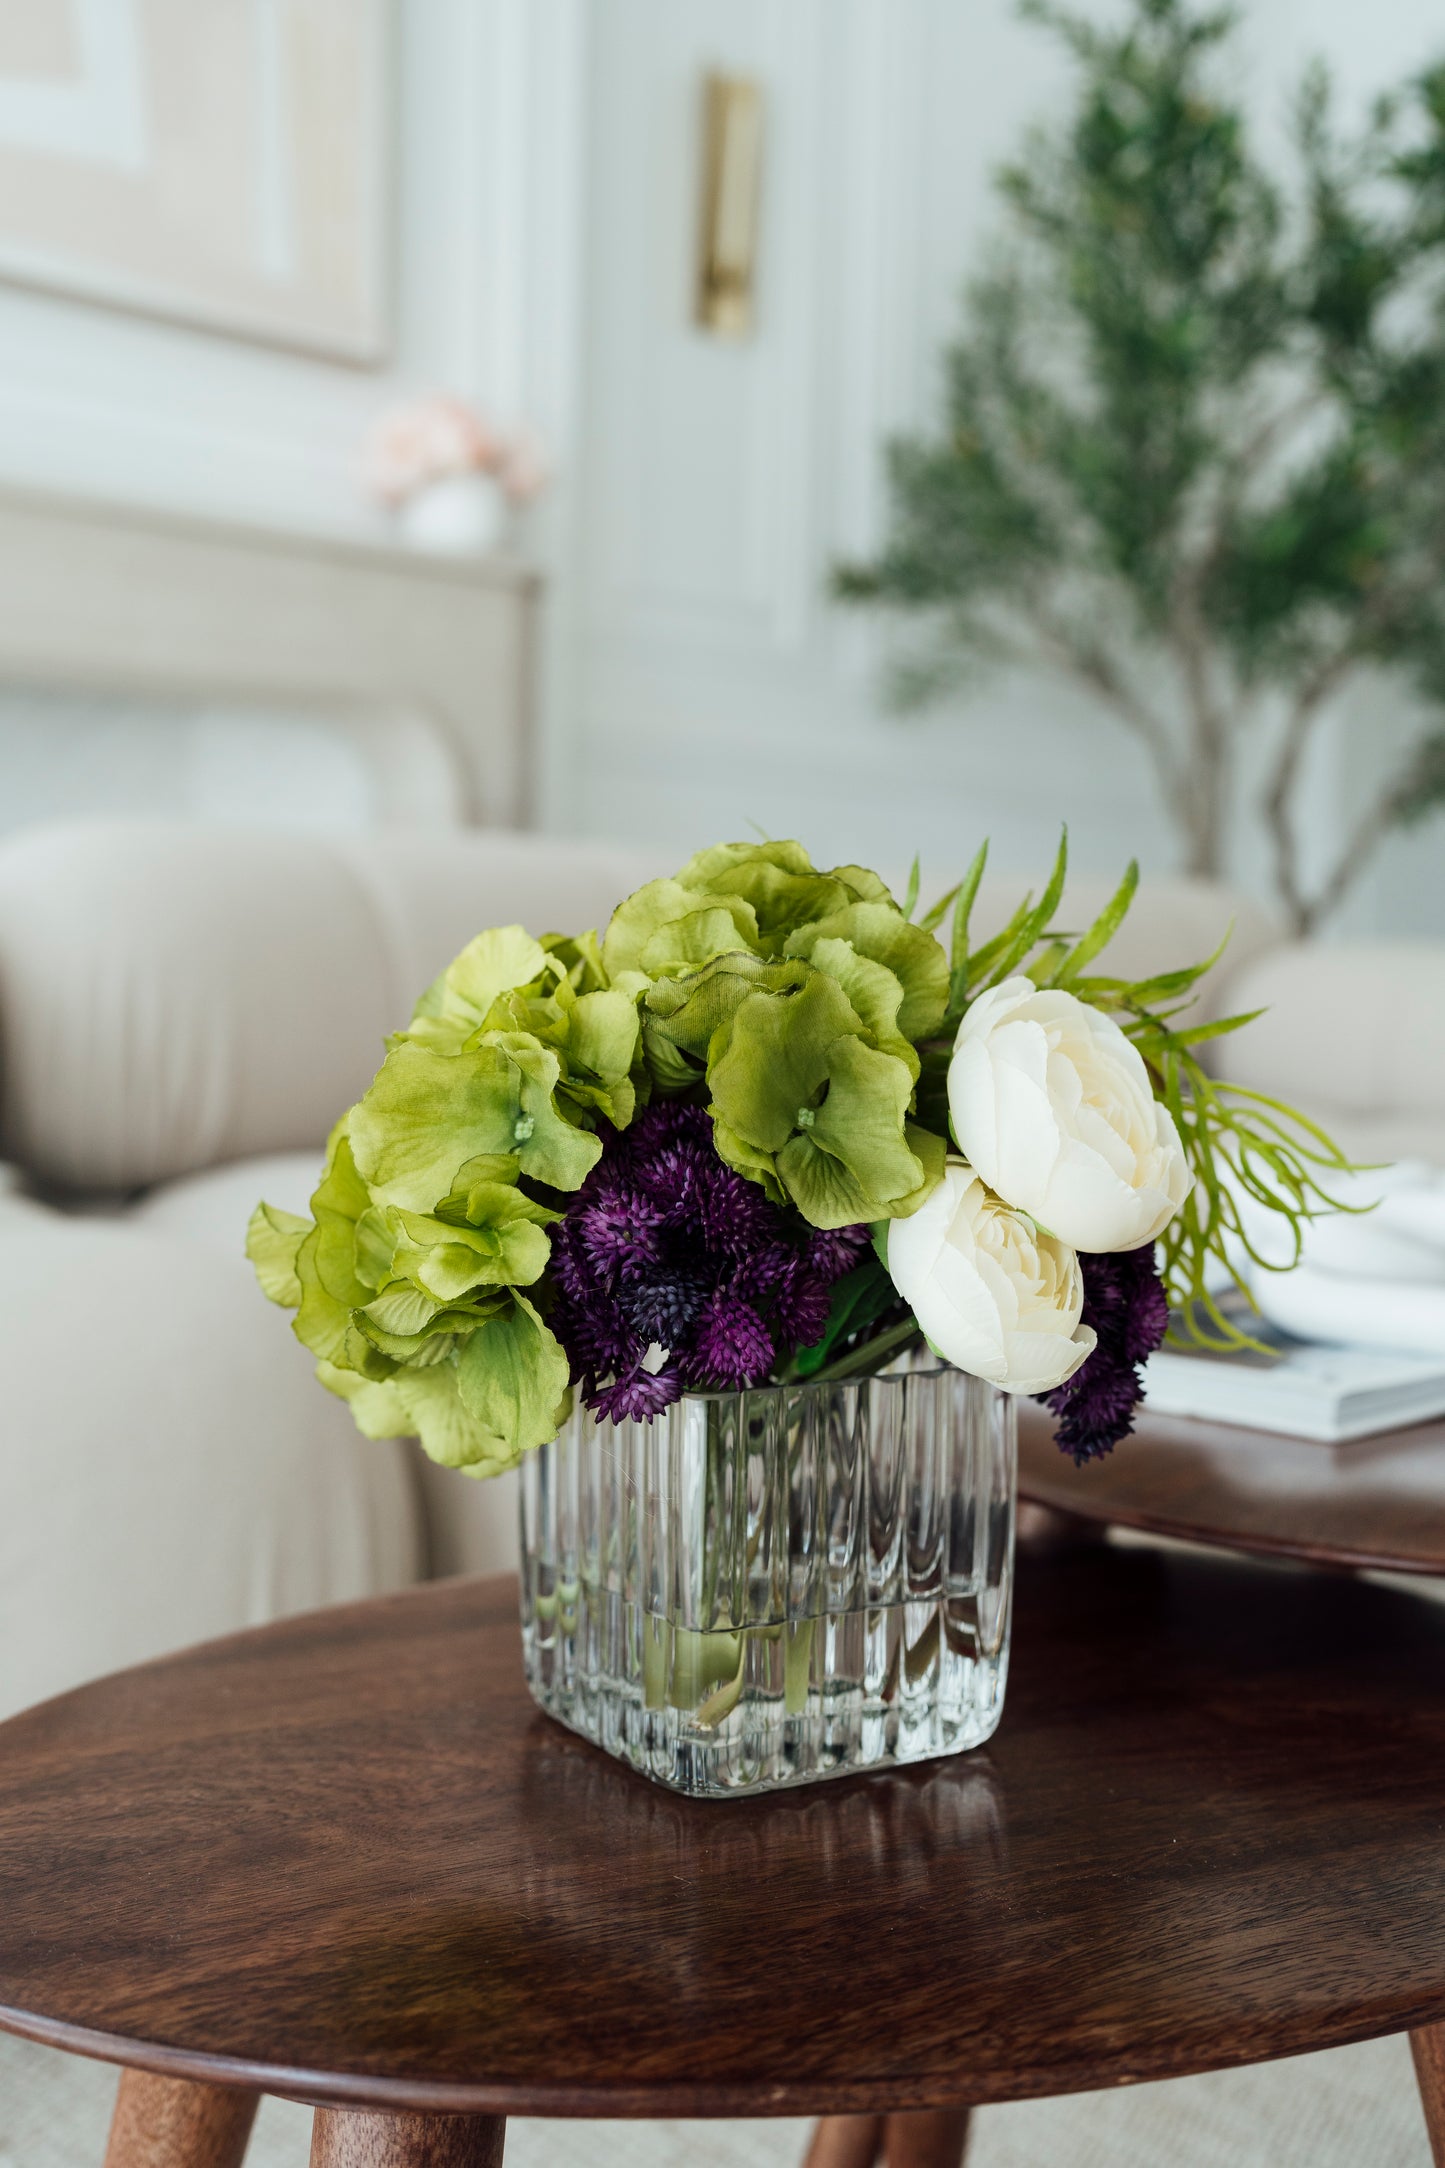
x=174, y=996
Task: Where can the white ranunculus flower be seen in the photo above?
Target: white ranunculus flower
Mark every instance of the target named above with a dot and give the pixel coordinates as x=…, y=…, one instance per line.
x=1052, y=1104
x=993, y=1295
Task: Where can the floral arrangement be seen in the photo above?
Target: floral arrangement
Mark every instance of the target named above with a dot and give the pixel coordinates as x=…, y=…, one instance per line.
x=769, y=1127
x=439, y=437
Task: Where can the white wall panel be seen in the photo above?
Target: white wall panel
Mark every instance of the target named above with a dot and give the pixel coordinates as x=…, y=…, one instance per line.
x=713, y=682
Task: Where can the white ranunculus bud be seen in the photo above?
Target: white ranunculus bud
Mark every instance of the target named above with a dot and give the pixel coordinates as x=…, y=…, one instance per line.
x=994, y=1296
x=1052, y=1104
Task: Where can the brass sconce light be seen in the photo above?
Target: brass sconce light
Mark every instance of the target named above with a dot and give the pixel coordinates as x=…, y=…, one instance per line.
x=732, y=157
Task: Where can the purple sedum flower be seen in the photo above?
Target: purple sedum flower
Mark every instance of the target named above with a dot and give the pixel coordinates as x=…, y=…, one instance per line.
x=664, y=1247
x=1124, y=1301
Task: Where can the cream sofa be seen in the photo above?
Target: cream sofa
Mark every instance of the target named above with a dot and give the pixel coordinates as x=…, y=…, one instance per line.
x=182, y=1014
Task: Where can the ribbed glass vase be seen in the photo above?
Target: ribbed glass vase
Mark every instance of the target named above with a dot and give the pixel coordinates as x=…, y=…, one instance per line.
x=768, y=1587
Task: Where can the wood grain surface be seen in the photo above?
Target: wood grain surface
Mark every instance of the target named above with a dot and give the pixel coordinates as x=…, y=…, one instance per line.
x=922, y=2138
x=344, y=1858
x=164, y=2123
x=1428, y=2048
x=342, y=2139
x=1379, y=1502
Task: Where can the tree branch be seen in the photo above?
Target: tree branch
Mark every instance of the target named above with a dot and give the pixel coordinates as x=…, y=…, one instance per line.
x=1367, y=834
x=1103, y=676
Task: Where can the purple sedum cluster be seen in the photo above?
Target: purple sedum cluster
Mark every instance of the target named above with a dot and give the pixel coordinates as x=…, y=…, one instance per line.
x=1125, y=1302
x=666, y=1248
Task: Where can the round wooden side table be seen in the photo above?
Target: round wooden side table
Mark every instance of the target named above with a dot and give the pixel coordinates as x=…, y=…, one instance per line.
x=1376, y=1502
x=344, y=1859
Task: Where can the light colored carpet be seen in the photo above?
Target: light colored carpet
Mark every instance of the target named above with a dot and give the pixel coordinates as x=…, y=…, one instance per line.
x=1355, y=2108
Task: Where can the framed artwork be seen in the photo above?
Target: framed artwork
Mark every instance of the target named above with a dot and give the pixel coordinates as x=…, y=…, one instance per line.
x=218, y=162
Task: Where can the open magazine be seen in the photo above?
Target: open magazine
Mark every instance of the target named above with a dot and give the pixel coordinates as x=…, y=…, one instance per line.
x=1298, y=1387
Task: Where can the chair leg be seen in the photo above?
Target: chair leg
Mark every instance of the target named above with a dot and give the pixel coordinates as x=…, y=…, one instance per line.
x=923, y=2138
x=1428, y=2049
x=342, y=2138
x=169, y=2123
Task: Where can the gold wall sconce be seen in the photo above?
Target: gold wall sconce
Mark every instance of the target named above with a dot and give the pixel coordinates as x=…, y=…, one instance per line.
x=728, y=243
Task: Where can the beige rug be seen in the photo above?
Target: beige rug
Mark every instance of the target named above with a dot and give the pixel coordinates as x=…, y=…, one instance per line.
x=1355, y=2108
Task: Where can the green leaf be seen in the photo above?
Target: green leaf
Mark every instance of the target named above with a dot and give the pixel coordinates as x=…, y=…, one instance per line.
x=858, y=1299
x=272, y=1241
x=911, y=898
x=513, y=1378
x=934, y=916
x=962, y=912
x=1004, y=954
x=1103, y=930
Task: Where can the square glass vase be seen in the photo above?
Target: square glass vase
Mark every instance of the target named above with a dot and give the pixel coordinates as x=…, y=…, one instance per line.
x=764, y=1588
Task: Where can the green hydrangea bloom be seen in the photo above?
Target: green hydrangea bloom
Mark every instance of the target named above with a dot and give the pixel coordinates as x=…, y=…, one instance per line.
x=792, y=997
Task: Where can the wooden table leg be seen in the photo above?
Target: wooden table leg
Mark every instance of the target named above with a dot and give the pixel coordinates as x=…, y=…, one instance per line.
x=845, y=2141
x=170, y=2123
x=344, y=2138
x=925, y=2138
x=1428, y=2049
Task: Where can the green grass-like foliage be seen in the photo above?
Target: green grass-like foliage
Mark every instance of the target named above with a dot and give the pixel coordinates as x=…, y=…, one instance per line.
x=1238, y=1142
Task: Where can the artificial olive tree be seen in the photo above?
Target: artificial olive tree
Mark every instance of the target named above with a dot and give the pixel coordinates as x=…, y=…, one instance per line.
x=1192, y=454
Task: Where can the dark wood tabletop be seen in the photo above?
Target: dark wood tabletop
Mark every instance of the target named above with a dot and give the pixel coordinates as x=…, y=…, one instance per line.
x=344, y=1858
x=1377, y=1502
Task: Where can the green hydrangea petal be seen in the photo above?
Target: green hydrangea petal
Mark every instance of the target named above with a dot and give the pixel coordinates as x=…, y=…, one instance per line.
x=916, y=959
x=865, y=884
x=602, y=1036
x=682, y=1017
x=428, y=1114
x=456, y=1002
x=470, y=1195
x=321, y=1322
x=872, y=990
x=273, y=1238
x=426, y=1404
x=580, y=956
x=777, y=879
x=760, y=1167
x=375, y=1241
x=657, y=906
x=446, y=1262
x=549, y=1148
x=338, y=1203
x=712, y=930
x=513, y=1377
x=853, y=1162
x=931, y=1152
x=776, y=1059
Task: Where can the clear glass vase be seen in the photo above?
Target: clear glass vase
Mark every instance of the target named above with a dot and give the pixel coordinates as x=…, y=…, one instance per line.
x=764, y=1588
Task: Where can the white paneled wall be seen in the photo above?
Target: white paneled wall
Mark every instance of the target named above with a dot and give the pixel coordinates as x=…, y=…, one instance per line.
x=713, y=683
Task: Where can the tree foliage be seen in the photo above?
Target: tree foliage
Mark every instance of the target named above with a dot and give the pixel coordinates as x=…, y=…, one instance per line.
x=1192, y=452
